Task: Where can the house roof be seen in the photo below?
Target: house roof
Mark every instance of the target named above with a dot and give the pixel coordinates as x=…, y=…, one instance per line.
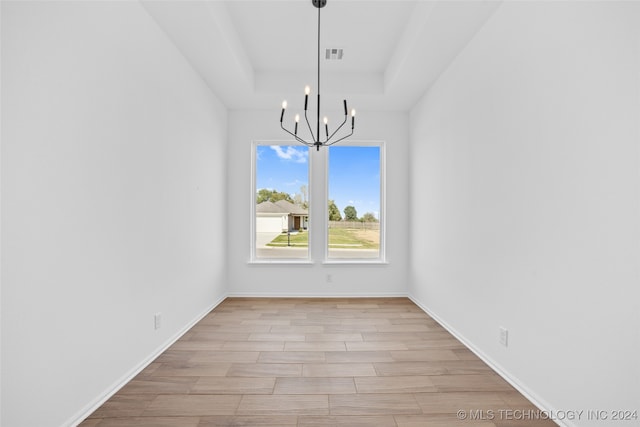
x=268, y=207
x=281, y=206
x=291, y=208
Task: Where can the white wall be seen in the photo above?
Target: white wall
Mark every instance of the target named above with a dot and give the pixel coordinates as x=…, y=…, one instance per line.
x=310, y=280
x=525, y=200
x=113, y=175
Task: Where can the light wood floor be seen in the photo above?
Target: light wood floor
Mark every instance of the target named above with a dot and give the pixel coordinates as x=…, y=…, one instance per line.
x=317, y=362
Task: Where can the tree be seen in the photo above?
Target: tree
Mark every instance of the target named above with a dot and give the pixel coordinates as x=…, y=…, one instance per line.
x=350, y=214
x=334, y=212
x=265, y=194
x=301, y=199
x=303, y=191
x=369, y=217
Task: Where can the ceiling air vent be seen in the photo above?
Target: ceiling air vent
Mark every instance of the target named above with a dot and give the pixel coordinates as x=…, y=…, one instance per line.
x=333, y=54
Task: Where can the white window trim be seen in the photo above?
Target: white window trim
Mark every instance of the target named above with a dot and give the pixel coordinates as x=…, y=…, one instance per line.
x=252, y=204
x=381, y=259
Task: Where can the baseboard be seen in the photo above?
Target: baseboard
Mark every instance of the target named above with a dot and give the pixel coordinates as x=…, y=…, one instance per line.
x=511, y=379
x=117, y=385
x=303, y=295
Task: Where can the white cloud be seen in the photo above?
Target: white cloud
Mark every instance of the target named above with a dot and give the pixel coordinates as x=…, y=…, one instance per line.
x=293, y=154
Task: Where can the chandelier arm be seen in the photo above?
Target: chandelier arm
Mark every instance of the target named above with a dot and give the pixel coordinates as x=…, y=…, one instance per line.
x=336, y=131
x=300, y=140
x=344, y=137
x=309, y=126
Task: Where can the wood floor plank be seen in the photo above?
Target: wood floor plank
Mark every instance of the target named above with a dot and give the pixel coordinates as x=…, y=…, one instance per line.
x=309, y=329
x=197, y=345
x=233, y=385
x=313, y=362
x=218, y=336
x=405, y=336
x=192, y=405
x=338, y=370
x=358, y=356
x=265, y=370
x=315, y=346
x=485, y=382
x=396, y=369
x=253, y=346
x=416, y=327
x=284, y=405
x=449, y=403
x=159, y=385
x=373, y=404
x=90, y=422
x=123, y=405
x=149, y=422
x=424, y=355
x=293, y=357
x=334, y=337
x=438, y=421
x=232, y=328
x=412, y=384
x=213, y=369
x=376, y=346
x=249, y=421
x=347, y=421
x=149, y=370
x=321, y=385
x=224, y=356
x=269, y=322
x=269, y=336
x=348, y=329
x=432, y=367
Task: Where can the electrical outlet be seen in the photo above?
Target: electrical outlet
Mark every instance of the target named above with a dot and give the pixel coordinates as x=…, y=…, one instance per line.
x=504, y=336
x=157, y=320
x=329, y=278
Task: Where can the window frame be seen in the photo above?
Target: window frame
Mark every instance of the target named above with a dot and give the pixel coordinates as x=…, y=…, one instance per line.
x=253, y=222
x=381, y=259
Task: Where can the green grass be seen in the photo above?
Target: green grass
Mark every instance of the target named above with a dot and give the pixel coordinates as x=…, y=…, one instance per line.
x=347, y=238
x=338, y=238
x=300, y=239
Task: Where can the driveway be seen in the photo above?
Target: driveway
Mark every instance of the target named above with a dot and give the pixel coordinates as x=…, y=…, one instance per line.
x=263, y=238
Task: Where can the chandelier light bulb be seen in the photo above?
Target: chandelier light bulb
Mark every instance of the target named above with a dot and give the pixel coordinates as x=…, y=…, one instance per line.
x=353, y=112
x=284, y=105
x=307, y=90
x=297, y=118
x=326, y=120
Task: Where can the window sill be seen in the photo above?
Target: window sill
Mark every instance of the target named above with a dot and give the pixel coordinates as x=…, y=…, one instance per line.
x=283, y=261
x=355, y=262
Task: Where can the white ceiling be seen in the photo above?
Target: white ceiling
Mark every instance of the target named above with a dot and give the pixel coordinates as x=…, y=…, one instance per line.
x=255, y=53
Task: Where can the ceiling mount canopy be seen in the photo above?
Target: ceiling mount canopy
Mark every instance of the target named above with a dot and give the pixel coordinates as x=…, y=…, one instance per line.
x=316, y=140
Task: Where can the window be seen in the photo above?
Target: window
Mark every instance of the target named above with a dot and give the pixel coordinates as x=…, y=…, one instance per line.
x=349, y=189
x=355, y=203
x=281, y=200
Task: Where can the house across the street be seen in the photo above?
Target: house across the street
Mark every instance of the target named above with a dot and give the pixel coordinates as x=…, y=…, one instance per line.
x=280, y=216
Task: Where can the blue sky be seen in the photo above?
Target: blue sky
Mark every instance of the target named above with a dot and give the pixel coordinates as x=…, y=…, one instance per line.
x=354, y=173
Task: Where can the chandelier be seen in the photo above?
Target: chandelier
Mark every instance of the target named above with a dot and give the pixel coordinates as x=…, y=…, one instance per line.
x=316, y=139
